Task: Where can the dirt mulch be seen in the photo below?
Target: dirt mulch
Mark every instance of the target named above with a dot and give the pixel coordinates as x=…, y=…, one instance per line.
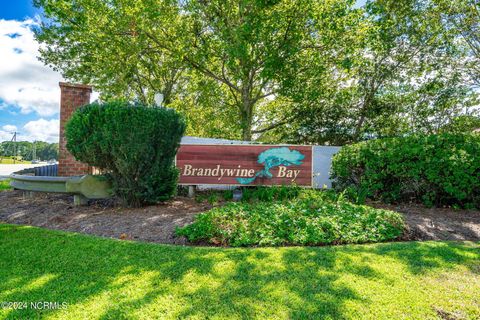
x=102, y=218
x=157, y=223
x=437, y=223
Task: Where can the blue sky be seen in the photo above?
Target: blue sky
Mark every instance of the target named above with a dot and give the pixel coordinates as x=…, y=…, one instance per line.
x=29, y=93
x=17, y=9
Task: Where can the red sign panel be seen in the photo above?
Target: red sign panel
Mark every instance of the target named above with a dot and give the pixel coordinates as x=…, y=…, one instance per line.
x=245, y=165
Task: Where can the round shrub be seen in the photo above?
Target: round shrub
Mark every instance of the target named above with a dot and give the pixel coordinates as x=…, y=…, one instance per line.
x=134, y=144
x=313, y=218
x=437, y=170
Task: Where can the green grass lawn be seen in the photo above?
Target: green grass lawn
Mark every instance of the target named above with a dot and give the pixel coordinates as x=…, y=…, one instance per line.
x=10, y=161
x=113, y=279
x=5, y=185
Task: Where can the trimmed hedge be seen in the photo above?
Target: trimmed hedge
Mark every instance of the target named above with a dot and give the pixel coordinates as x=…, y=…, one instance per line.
x=134, y=144
x=312, y=218
x=438, y=170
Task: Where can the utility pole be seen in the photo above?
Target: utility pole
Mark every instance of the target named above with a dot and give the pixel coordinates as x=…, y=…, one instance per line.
x=34, y=155
x=14, y=139
x=14, y=142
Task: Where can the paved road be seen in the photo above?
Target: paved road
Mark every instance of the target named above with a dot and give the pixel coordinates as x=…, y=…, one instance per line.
x=7, y=169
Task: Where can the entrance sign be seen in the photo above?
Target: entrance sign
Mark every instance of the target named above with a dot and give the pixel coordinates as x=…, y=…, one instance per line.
x=244, y=165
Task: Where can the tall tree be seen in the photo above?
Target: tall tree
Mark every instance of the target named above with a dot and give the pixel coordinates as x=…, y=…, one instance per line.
x=406, y=44
x=276, y=70
x=252, y=49
x=462, y=17
x=256, y=48
x=406, y=74
x=98, y=42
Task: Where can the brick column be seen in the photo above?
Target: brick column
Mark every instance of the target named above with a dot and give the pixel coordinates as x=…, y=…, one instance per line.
x=72, y=96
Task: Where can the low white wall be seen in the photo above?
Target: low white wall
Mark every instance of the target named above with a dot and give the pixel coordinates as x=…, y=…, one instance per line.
x=322, y=162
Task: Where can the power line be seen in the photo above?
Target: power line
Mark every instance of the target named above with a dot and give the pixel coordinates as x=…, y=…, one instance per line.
x=14, y=140
x=14, y=146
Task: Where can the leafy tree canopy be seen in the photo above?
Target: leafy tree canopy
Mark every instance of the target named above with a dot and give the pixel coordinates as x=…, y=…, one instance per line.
x=303, y=71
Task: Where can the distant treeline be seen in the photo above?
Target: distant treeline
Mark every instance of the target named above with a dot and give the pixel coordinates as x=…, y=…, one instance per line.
x=27, y=151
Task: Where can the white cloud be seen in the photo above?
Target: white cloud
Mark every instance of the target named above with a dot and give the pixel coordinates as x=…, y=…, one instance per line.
x=5, y=135
x=40, y=130
x=24, y=81
x=26, y=84
x=6, y=132
x=9, y=127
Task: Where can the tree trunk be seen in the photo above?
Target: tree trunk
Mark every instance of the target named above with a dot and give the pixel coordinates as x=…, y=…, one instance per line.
x=167, y=92
x=246, y=114
x=363, y=113
x=358, y=128
x=246, y=135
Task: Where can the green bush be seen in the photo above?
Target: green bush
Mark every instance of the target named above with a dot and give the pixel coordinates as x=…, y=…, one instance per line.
x=134, y=144
x=310, y=219
x=436, y=170
x=270, y=193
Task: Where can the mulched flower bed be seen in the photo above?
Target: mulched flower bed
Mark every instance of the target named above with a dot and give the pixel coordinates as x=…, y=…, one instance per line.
x=102, y=218
x=157, y=223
